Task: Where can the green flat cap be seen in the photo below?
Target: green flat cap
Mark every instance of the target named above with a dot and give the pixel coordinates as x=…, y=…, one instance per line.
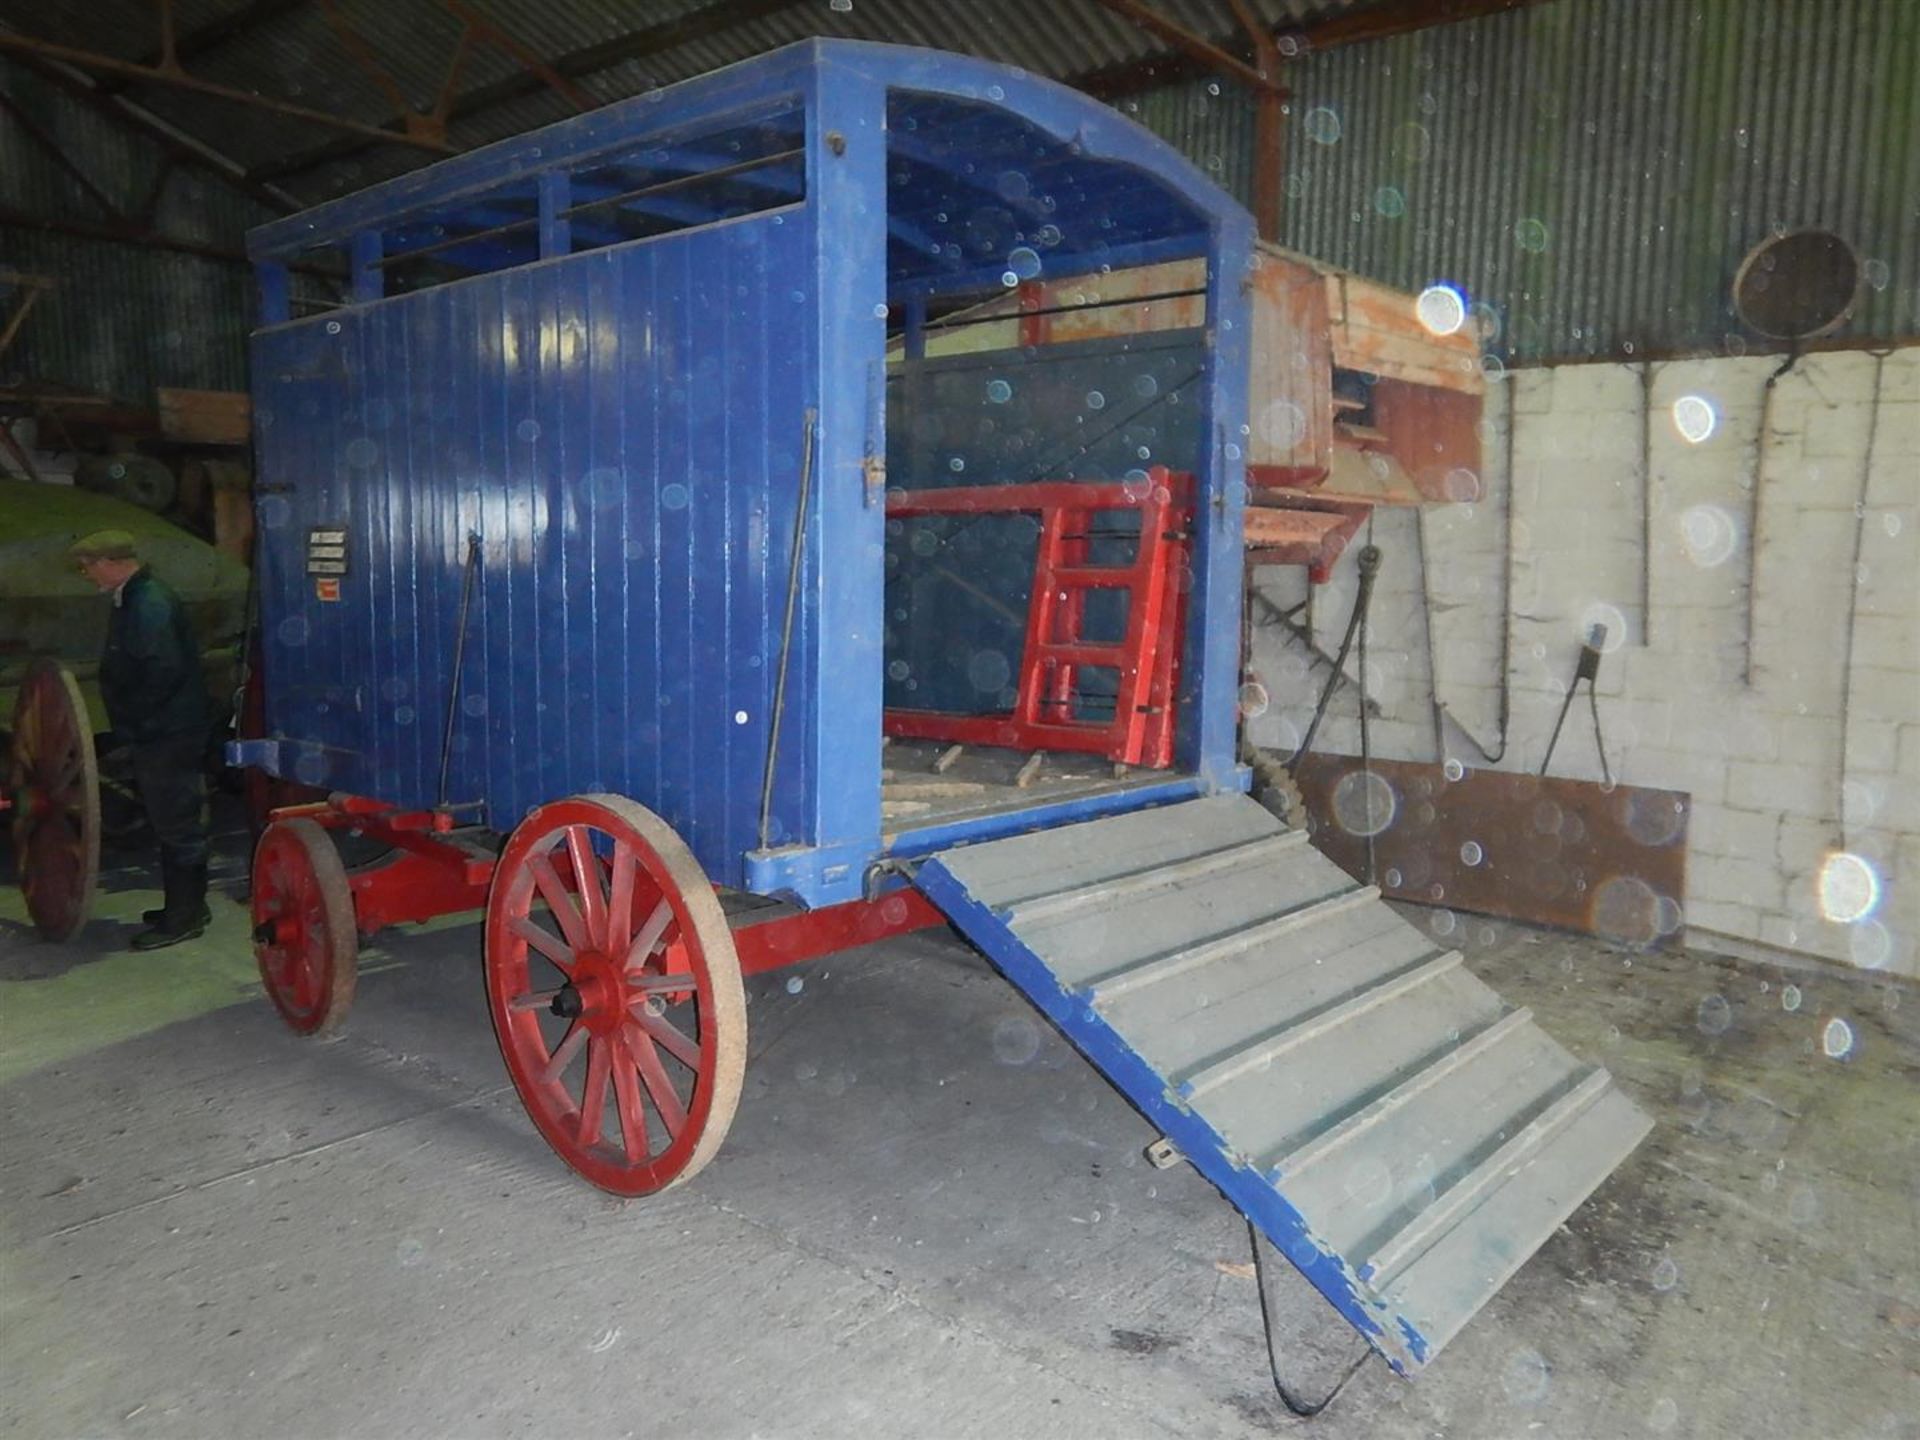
x=103, y=545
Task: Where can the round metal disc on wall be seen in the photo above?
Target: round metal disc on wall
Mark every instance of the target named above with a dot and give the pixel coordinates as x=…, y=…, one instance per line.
x=54, y=784
x=1798, y=285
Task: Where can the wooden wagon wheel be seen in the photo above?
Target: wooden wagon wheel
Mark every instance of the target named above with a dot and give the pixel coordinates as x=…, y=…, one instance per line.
x=615, y=993
x=303, y=930
x=54, y=785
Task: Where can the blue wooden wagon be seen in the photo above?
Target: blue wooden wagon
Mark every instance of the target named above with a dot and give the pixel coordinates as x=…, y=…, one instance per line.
x=683, y=545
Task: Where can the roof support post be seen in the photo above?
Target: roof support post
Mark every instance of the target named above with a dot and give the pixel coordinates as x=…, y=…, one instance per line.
x=1207, y=734
x=1270, y=110
x=846, y=142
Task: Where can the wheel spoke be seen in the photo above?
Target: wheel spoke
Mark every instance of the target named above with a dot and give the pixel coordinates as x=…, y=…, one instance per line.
x=672, y=1113
x=593, y=1104
x=543, y=940
x=554, y=892
x=648, y=940
x=643, y=987
x=586, y=876
x=626, y=1096
x=620, y=898
x=563, y=1055
x=677, y=1042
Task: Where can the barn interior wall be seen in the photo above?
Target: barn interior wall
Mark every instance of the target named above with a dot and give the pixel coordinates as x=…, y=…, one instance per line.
x=125, y=318
x=1820, y=753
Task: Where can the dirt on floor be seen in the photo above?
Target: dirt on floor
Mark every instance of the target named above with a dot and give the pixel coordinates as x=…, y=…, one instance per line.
x=932, y=1217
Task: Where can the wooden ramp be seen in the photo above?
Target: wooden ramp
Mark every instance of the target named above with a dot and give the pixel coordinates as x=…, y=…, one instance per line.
x=1401, y=1134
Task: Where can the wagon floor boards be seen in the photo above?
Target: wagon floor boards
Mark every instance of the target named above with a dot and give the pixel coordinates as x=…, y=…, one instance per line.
x=1403, y=1135
x=918, y=791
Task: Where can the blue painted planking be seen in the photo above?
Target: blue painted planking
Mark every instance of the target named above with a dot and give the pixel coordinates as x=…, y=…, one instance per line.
x=608, y=611
x=623, y=428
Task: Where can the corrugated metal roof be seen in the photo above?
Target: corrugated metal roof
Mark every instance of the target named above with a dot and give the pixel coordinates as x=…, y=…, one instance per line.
x=1593, y=171
x=297, y=55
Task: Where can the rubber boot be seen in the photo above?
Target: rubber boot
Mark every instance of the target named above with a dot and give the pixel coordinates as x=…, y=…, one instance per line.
x=186, y=914
x=168, y=884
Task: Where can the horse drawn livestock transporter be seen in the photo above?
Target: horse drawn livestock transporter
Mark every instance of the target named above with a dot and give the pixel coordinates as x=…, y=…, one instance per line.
x=659, y=551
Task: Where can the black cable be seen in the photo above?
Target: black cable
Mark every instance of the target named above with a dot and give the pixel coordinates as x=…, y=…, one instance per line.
x=1606, y=771
x=1368, y=561
x=1369, y=554
x=1553, y=740
x=1587, y=669
x=1305, y=1409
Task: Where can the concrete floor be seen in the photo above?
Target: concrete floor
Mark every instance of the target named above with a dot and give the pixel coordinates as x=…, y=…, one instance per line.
x=931, y=1218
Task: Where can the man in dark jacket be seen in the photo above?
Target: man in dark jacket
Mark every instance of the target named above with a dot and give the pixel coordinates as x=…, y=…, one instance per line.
x=156, y=701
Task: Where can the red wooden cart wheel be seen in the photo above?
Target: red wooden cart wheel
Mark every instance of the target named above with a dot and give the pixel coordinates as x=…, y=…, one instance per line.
x=303, y=935
x=615, y=993
x=54, y=786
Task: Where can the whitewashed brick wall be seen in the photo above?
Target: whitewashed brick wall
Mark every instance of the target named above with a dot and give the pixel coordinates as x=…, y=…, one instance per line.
x=1759, y=739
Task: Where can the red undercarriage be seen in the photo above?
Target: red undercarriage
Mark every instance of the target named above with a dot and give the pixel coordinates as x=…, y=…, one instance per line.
x=435, y=871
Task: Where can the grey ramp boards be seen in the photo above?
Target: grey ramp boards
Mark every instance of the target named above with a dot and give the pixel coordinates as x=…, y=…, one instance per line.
x=1401, y=1134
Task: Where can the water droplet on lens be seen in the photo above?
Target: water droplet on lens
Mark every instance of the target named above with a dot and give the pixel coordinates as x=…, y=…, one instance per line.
x=1441, y=308
x=1837, y=1039
x=1322, y=125
x=1363, y=802
x=1694, y=417
x=1526, y=1378
x=1666, y=1273
x=1849, y=888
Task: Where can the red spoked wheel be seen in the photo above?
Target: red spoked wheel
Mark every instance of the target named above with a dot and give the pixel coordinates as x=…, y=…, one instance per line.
x=53, y=783
x=615, y=993
x=303, y=931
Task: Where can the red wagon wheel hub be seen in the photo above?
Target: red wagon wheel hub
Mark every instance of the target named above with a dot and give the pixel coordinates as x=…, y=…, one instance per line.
x=615, y=993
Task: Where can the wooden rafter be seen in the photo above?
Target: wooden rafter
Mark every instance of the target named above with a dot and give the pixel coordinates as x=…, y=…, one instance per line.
x=589, y=60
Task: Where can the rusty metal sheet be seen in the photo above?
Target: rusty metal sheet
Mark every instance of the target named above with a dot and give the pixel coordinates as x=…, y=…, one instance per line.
x=1600, y=860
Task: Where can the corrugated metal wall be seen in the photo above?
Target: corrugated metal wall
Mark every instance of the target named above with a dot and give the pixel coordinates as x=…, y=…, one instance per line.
x=124, y=319
x=1594, y=170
